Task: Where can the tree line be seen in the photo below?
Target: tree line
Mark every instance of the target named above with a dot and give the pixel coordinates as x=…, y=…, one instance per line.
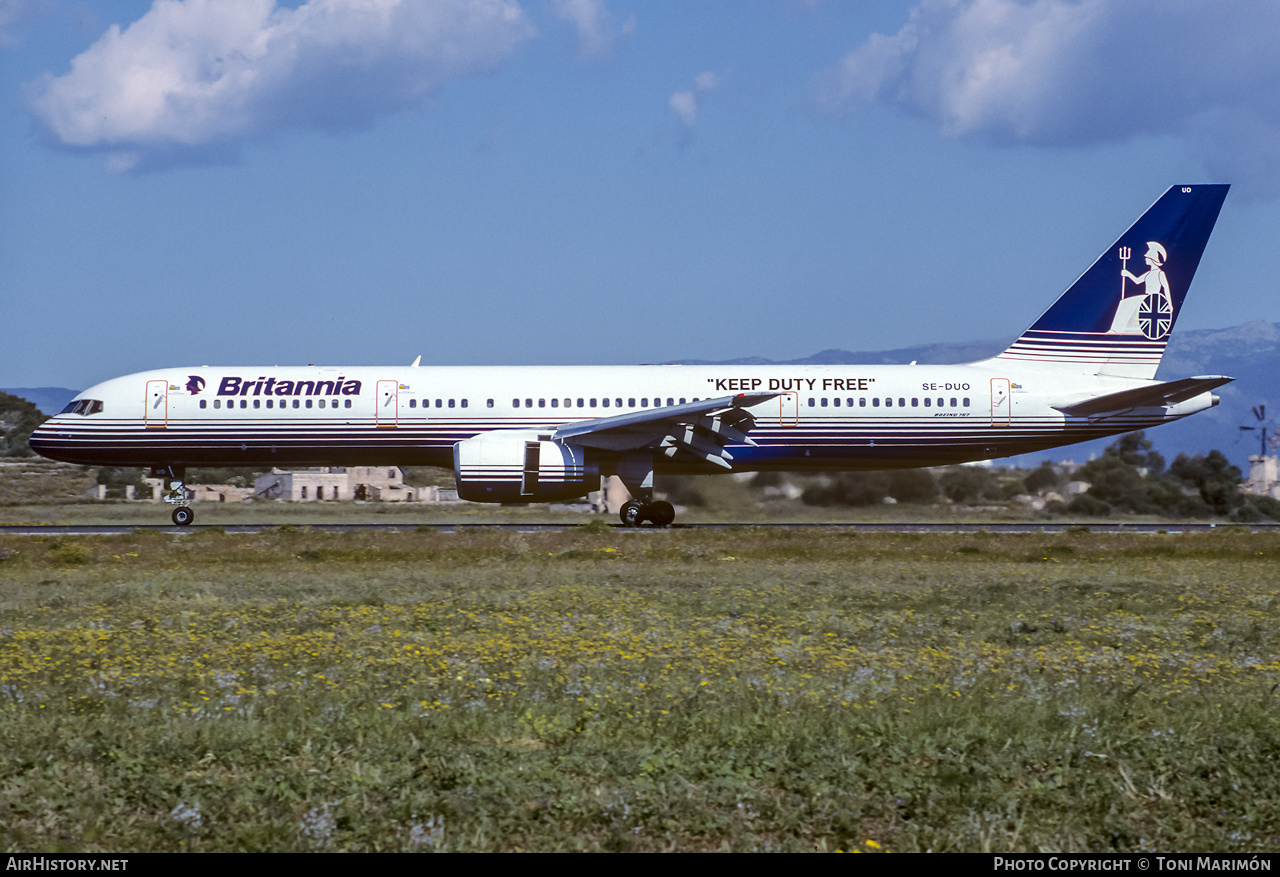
x=1129, y=477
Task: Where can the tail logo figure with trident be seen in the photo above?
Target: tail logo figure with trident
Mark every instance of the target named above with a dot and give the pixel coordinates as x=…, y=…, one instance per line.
x=1149, y=313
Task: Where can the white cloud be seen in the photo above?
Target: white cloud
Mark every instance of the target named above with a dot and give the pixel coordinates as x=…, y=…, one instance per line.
x=193, y=78
x=685, y=103
x=598, y=29
x=1080, y=72
x=706, y=81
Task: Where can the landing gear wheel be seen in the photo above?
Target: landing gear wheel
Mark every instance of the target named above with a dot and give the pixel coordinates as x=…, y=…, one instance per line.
x=661, y=513
x=632, y=514
x=182, y=516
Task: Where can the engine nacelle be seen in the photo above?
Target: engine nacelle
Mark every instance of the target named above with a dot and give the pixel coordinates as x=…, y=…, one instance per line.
x=521, y=466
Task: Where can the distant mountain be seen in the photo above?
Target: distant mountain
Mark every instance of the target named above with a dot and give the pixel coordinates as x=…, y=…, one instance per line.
x=929, y=354
x=50, y=400
x=1249, y=353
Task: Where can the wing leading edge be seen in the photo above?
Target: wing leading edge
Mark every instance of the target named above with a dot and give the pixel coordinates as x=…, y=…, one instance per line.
x=699, y=429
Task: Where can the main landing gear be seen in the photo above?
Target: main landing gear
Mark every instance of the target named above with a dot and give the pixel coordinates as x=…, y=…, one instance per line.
x=633, y=514
x=178, y=494
x=636, y=472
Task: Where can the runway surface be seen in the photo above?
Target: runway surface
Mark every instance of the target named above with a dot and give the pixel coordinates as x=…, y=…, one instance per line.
x=1026, y=527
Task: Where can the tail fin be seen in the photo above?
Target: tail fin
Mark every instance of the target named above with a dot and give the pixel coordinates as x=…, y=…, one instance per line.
x=1117, y=317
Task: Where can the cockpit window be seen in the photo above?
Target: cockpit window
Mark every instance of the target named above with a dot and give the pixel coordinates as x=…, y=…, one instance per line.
x=83, y=407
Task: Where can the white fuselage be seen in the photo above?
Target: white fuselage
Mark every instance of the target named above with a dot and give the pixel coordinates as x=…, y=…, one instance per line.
x=823, y=417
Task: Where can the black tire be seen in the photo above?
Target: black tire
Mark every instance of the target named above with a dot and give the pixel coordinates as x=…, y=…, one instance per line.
x=182, y=516
x=662, y=513
x=632, y=514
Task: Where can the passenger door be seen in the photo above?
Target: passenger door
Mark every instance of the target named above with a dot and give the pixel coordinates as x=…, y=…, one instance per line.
x=1001, y=402
x=789, y=409
x=156, y=415
x=388, y=414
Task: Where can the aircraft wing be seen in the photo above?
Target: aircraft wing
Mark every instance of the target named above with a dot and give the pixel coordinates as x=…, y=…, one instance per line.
x=1169, y=393
x=699, y=429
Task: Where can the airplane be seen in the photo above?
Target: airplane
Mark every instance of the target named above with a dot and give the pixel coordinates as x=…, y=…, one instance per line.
x=1084, y=370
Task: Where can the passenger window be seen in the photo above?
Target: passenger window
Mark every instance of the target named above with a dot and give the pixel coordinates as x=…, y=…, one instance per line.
x=555, y=403
x=450, y=403
x=413, y=403
x=875, y=403
x=824, y=402
x=862, y=401
x=515, y=403
x=464, y=403
x=926, y=401
x=953, y=401
x=888, y=403
x=631, y=403
x=203, y=403
x=593, y=403
x=580, y=404
x=308, y=403
x=347, y=404
x=528, y=403
x=604, y=402
x=217, y=403
x=915, y=403
x=836, y=401
x=966, y=401
x=297, y=404
x=542, y=403
x=321, y=403
x=489, y=404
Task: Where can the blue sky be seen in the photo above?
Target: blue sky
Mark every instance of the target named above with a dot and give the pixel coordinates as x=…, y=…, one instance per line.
x=598, y=181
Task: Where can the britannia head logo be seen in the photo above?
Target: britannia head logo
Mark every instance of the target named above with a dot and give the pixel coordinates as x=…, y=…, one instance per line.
x=195, y=384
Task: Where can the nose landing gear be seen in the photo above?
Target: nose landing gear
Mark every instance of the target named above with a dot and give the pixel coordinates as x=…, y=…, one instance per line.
x=178, y=494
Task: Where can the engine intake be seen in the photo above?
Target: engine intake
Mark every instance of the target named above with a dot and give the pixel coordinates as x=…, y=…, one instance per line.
x=522, y=467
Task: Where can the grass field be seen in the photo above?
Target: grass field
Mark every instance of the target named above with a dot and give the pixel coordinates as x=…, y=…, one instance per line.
x=603, y=689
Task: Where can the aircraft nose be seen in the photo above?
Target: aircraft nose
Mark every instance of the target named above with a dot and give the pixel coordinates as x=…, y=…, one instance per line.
x=39, y=440
x=44, y=440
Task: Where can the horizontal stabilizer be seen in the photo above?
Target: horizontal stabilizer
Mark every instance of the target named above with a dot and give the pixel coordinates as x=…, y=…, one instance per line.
x=1170, y=393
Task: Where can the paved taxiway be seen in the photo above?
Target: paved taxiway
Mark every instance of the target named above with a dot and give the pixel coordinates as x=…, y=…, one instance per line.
x=1026, y=527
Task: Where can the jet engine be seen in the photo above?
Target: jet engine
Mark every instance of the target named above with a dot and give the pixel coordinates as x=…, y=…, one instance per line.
x=522, y=467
